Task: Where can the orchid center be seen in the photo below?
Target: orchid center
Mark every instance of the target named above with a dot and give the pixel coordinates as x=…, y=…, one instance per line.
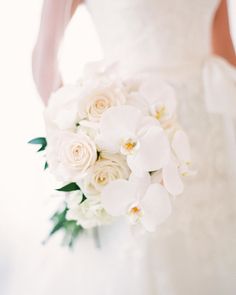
x=135, y=210
x=129, y=146
x=160, y=112
x=135, y=213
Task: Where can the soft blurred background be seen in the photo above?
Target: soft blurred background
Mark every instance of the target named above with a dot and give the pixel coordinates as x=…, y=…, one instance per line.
x=25, y=205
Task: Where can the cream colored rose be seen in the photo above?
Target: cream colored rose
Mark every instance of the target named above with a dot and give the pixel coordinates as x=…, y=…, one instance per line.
x=71, y=155
x=106, y=169
x=99, y=104
x=96, y=99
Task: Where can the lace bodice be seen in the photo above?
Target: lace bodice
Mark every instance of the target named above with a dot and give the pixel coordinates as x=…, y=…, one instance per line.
x=153, y=32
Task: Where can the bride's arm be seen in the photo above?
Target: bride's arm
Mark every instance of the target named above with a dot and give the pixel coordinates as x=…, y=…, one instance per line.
x=222, y=44
x=56, y=14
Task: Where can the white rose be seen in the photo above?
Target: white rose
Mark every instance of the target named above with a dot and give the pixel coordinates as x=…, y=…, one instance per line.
x=70, y=155
x=97, y=97
x=88, y=214
x=89, y=128
x=107, y=168
x=61, y=111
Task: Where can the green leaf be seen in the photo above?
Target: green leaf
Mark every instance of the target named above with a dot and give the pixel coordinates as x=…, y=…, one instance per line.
x=46, y=165
x=39, y=141
x=59, y=218
x=69, y=187
x=83, y=199
x=70, y=228
x=72, y=231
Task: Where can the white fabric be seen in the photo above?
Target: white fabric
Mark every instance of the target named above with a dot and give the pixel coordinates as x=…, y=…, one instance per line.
x=220, y=86
x=145, y=34
x=194, y=251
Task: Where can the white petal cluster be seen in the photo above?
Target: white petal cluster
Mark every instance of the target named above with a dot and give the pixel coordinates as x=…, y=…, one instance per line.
x=89, y=213
x=120, y=142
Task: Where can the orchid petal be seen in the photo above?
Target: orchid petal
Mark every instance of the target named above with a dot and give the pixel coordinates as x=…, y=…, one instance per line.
x=156, y=177
x=181, y=146
x=140, y=183
x=153, y=154
x=117, y=196
x=146, y=123
x=136, y=100
x=155, y=90
x=156, y=206
x=172, y=180
x=118, y=123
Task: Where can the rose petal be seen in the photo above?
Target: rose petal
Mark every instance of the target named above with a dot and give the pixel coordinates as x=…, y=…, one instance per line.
x=117, y=196
x=62, y=108
x=154, y=152
x=73, y=199
x=156, y=206
x=172, y=180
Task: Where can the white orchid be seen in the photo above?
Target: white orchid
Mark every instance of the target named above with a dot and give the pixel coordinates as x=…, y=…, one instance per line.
x=172, y=179
x=126, y=130
x=143, y=202
x=178, y=165
x=160, y=98
x=181, y=147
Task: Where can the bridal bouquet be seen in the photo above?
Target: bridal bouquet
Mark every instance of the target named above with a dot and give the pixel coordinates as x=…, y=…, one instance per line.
x=117, y=149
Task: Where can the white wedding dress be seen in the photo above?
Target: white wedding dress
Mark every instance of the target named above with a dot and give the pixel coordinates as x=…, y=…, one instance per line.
x=194, y=252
